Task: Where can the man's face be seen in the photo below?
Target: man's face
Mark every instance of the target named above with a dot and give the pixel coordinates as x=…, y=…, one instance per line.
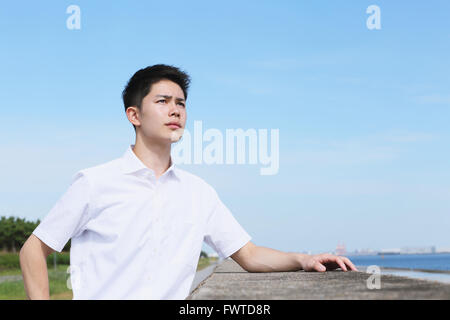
x=164, y=104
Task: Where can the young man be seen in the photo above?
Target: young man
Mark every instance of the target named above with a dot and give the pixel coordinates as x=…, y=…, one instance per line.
x=137, y=223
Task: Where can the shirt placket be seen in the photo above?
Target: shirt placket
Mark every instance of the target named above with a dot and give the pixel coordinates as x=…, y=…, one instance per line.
x=154, y=234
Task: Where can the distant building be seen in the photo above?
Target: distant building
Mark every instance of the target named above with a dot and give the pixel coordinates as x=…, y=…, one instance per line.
x=443, y=250
x=213, y=255
x=341, y=250
x=418, y=250
x=389, y=251
x=409, y=250
x=364, y=252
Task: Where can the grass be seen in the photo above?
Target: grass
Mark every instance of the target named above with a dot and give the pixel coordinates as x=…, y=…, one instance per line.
x=14, y=290
x=10, y=272
x=203, y=263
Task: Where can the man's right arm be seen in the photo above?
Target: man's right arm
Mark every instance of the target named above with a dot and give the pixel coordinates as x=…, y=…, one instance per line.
x=66, y=219
x=33, y=262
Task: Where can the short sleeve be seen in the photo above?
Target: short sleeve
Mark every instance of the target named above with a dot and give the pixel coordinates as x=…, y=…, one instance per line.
x=67, y=217
x=223, y=233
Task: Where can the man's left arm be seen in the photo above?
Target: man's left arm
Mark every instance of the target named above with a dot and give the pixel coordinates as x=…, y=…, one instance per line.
x=255, y=258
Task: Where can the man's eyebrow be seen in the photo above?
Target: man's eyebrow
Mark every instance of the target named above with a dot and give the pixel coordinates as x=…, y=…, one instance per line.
x=169, y=97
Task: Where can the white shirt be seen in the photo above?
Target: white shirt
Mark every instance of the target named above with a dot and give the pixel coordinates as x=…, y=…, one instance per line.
x=135, y=236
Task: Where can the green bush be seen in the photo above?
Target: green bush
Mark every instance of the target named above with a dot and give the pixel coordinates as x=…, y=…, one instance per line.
x=10, y=261
x=61, y=258
x=15, y=231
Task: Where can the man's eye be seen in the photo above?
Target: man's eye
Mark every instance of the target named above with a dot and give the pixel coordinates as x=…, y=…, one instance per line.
x=161, y=101
x=181, y=104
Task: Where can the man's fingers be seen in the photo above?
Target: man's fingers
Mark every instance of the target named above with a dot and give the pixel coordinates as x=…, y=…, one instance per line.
x=333, y=262
x=336, y=260
x=319, y=267
x=341, y=263
x=350, y=264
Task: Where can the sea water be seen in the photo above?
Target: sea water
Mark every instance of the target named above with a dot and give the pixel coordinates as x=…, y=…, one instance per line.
x=412, y=265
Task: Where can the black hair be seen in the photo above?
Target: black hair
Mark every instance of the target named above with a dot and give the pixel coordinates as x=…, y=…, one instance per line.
x=141, y=83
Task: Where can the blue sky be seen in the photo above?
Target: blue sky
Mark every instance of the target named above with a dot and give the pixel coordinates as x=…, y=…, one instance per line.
x=362, y=114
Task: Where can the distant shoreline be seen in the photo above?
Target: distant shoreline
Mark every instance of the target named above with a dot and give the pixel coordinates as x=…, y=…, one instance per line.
x=413, y=269
x=391, y=254
x=426, y=263
x=442, y=276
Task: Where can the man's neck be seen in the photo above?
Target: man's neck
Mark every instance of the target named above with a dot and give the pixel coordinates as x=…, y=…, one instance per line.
x=154, y=156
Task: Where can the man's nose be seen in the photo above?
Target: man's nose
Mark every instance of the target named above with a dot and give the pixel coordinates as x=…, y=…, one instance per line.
x=174, y=110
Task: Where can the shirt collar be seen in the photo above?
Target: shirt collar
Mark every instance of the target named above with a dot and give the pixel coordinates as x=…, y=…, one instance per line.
x=131, y=164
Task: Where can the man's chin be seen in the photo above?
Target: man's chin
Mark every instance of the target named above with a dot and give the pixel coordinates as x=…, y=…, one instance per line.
x=176, y=135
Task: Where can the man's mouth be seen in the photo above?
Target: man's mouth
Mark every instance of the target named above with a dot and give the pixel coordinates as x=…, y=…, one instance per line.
x=174, y=125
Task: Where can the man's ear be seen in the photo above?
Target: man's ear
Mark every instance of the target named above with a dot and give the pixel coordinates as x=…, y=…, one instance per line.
x=133, y=115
